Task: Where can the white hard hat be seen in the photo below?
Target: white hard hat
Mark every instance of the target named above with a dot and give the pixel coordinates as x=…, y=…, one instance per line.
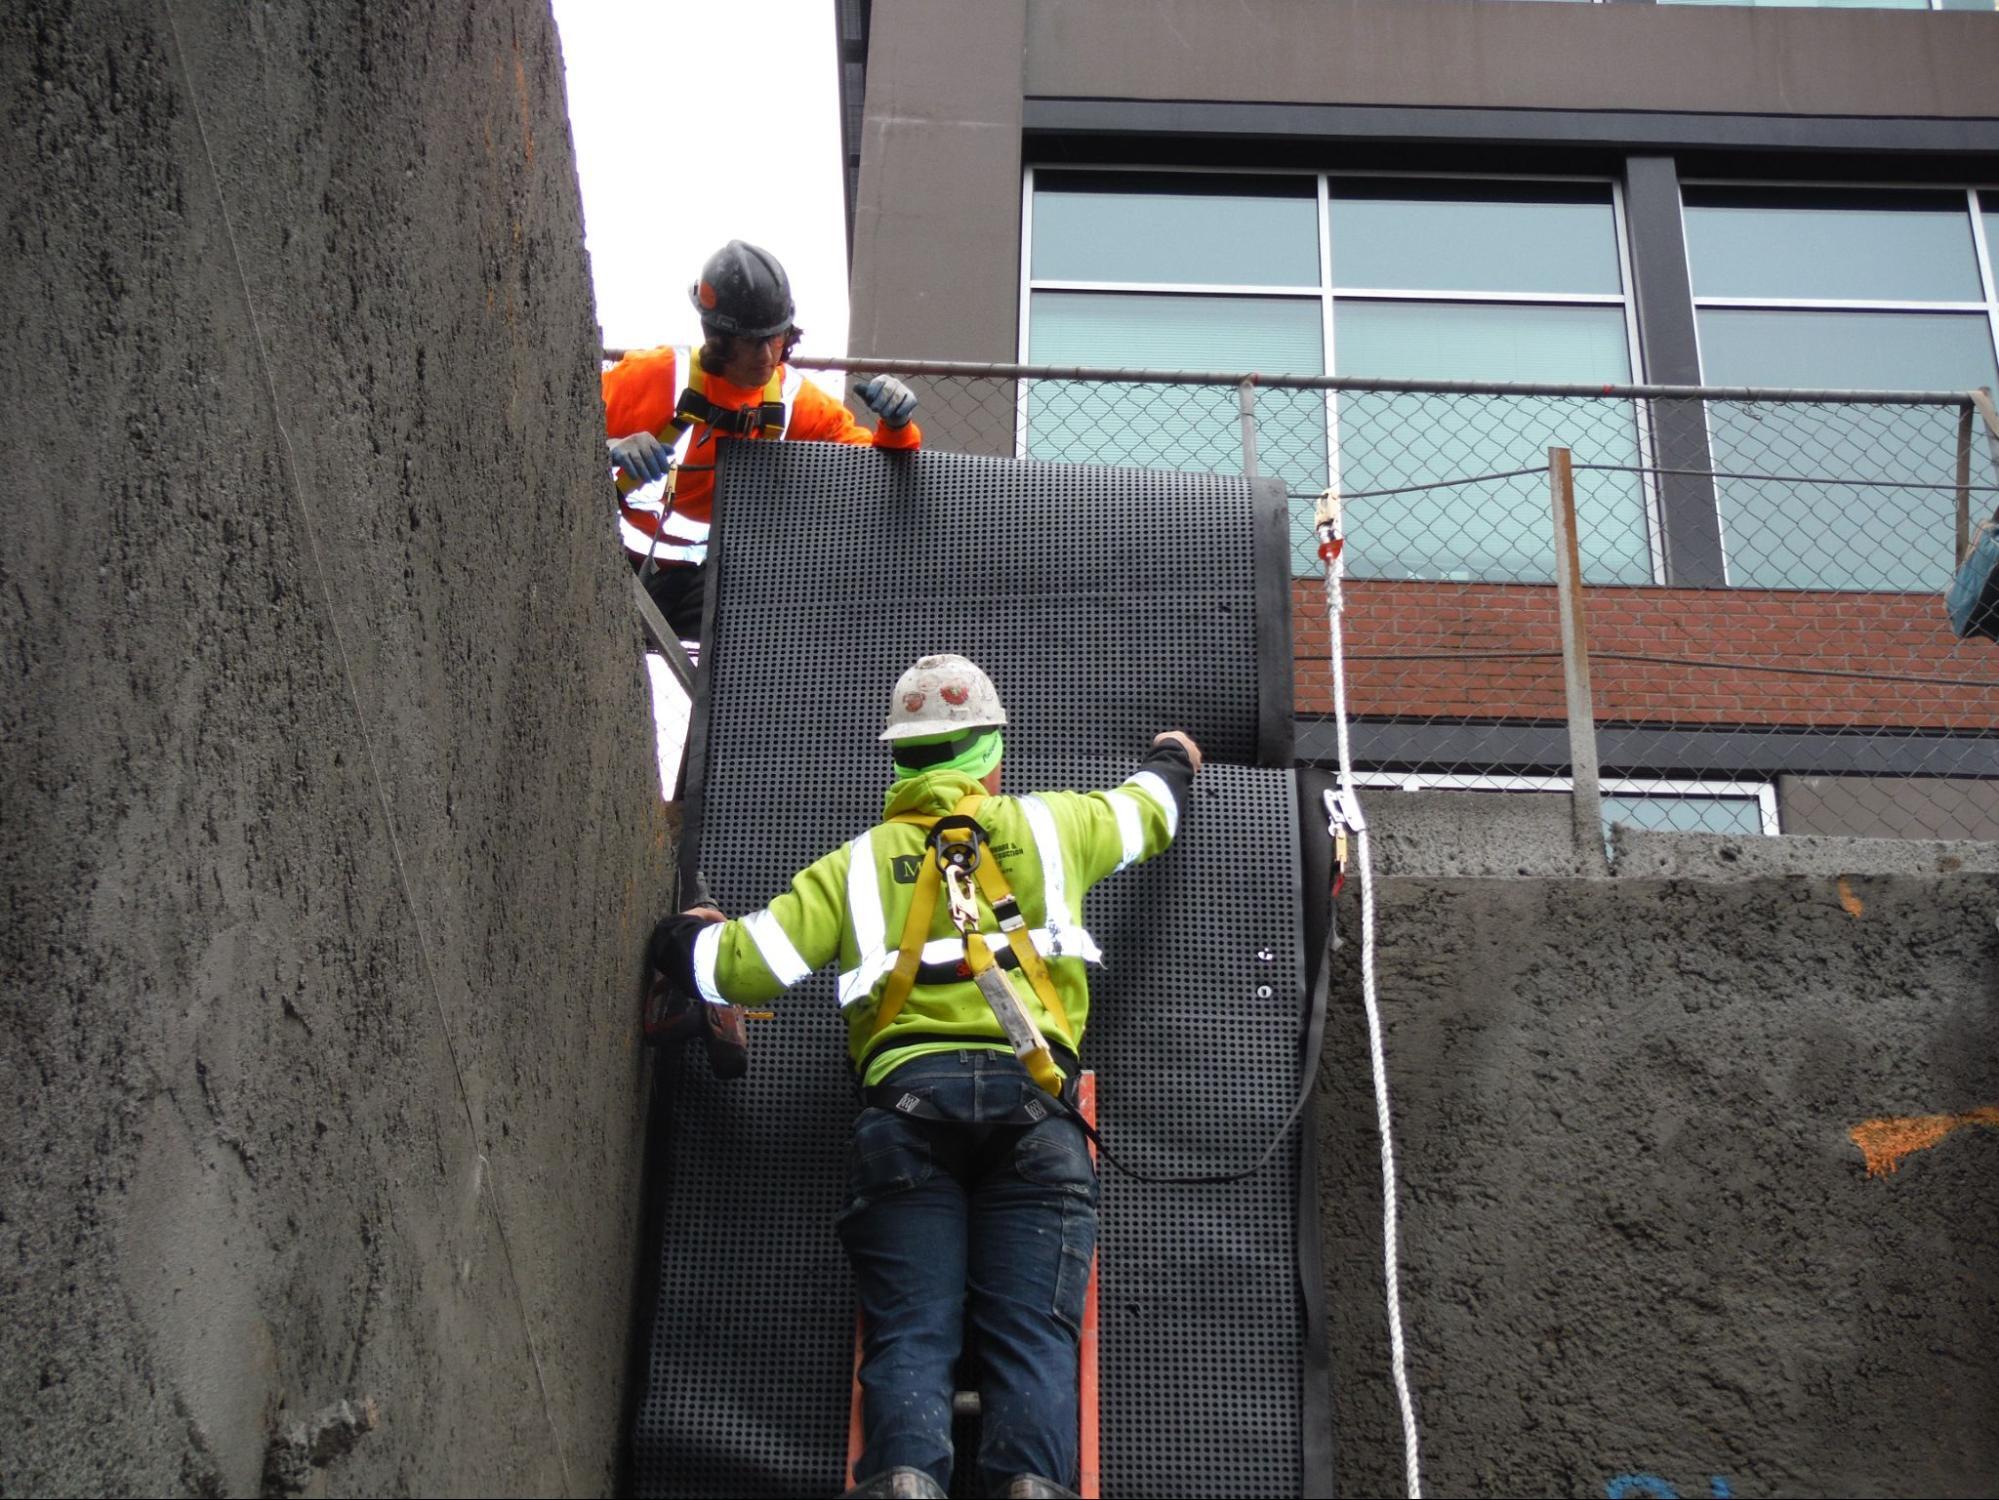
x=940, y=694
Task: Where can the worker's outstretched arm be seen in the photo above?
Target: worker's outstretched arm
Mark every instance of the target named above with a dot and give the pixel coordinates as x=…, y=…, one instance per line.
x=640, y=392
x=758, y=957
x=817, y=418
x=1109, y=830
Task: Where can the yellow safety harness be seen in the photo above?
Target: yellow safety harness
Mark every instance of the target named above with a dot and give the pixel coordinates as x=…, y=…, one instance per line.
x=945, y=871
x=765, y=419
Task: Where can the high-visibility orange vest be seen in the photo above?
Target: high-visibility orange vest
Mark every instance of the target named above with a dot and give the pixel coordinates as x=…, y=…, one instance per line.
x=643, y=392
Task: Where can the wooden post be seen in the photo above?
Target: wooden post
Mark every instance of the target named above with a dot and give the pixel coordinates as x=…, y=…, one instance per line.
x=1964, y=420
x=1245, y=393
x=1586, y=800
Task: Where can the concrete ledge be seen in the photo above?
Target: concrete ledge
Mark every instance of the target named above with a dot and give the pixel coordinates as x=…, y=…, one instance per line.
x=1470, y=835
x=1720, y=856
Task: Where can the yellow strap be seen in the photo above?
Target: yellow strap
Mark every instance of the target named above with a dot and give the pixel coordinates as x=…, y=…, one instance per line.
x=916, y=926
x=993, y=882
x=978, y=955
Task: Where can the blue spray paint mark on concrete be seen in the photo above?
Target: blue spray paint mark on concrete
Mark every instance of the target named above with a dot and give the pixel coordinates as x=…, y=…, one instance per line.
x=1640, y=1487
x=1656, y=1487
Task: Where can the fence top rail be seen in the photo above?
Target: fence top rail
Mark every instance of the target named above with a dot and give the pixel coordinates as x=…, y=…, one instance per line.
x=969, y=370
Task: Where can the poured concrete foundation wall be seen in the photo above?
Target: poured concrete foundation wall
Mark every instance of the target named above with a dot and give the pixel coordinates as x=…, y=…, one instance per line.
x=331, y=823
x=1641, y=1251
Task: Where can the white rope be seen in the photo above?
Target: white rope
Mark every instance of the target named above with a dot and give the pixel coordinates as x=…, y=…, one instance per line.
x=1390, y=1232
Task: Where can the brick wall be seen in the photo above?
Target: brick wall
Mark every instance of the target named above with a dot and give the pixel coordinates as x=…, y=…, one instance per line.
x=1679, y=656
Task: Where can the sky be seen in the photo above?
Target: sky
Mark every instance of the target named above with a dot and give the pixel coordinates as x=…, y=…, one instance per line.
x=759, y=85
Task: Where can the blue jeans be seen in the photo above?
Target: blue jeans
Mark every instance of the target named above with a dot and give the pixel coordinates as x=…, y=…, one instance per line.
x=968, y=1223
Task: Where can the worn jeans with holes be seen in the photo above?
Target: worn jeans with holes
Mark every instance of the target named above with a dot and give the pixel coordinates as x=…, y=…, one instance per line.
x=960, y=1226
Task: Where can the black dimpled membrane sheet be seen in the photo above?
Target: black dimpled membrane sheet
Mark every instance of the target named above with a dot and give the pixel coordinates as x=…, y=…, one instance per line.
x=1106, y=604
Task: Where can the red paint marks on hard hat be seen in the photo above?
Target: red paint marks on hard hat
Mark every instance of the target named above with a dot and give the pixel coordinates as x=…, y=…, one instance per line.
x=912, y=702
x=707, y=295
x=955, y=694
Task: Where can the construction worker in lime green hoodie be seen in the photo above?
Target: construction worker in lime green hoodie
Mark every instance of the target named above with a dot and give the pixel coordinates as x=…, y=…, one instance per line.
x=971, y=1195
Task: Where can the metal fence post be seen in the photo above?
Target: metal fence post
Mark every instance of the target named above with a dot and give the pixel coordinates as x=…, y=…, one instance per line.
x=1245, y=392
x=1586, y=801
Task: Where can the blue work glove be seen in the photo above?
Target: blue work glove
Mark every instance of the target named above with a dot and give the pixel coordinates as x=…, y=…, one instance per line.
x=642, y=456
x=889, y=399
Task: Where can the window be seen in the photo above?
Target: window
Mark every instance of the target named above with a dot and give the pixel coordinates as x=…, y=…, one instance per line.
x=1179, y=271
x=1841, y=289
x=1746, y=807
x=1413, y=278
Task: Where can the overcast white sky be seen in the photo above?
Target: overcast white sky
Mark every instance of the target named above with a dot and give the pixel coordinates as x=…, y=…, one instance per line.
x=757, y=85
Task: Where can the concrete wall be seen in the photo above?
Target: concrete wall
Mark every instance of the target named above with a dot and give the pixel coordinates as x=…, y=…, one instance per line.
x=1638, y=1239
x=1509, y=55
x=331, y=823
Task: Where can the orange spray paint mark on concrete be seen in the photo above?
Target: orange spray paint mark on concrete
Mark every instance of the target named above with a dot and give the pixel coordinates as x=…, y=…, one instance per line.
x=1884, y=1143
x=1853, y=904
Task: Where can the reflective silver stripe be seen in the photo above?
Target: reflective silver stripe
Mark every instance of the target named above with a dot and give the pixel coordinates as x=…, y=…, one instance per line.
x=788, y=392
x=864, y=910
x=864, y=897
x=707, y=946
x=1076, y=943
x=1064, y=937
x=858, y=984
x=1130, y=831
x=639, y=544
x=775, y=948
x=1054, y=883
x=1154, y=786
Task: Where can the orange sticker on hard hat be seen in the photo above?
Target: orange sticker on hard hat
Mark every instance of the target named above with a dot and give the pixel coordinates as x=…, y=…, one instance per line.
x=912, y=702
x=955, y=694
x=707, y=295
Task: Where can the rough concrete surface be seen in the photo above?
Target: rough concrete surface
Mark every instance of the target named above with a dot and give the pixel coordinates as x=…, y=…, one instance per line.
x=1638, y=1241
x=331, y=823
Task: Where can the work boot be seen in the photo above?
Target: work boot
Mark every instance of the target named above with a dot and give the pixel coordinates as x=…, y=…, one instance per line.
x=902, y=1483
x=1034, y=1487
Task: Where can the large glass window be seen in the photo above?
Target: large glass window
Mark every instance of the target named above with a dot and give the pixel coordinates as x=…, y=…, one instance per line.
x=1392, y=278
x=1175, y=271
x=1838, y=289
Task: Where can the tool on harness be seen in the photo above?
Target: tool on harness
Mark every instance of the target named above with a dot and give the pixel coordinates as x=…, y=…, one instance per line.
x=957, y=843
x=671, y=1017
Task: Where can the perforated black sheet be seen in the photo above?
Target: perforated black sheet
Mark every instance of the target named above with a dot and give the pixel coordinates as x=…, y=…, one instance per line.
x=1106, y=604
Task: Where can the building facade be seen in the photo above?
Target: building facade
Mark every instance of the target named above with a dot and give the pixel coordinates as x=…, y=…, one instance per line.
x=1502, y=191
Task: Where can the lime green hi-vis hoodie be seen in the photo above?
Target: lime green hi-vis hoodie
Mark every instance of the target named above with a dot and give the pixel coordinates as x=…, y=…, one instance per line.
x=851, y=906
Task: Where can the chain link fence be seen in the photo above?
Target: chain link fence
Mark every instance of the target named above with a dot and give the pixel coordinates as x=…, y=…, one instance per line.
x=1762, y=577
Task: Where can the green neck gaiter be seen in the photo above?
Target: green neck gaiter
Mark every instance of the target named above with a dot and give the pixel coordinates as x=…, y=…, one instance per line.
x=974, y=761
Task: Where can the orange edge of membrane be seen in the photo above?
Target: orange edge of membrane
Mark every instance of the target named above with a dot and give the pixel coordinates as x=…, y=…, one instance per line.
x=1090, y=1442
x=1884, y=1143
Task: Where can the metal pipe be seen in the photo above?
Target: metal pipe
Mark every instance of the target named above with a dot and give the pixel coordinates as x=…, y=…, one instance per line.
x=973, y=371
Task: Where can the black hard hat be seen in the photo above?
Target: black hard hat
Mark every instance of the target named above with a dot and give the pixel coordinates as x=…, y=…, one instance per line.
x=743, y=291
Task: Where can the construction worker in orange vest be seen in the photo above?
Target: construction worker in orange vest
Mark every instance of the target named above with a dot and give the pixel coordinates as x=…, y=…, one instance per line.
x=735, y=386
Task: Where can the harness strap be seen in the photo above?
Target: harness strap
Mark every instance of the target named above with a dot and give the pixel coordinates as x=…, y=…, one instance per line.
x=890, y=1095
x=909, y=964
x=767, y=418
x=916, y=926
x=992, y=881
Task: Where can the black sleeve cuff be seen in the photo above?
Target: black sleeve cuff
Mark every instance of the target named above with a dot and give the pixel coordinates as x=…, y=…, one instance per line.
x=672, y=949
x=1170, y=762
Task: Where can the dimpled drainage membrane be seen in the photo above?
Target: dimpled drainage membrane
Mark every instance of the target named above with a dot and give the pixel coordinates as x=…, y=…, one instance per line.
x=1106, y=604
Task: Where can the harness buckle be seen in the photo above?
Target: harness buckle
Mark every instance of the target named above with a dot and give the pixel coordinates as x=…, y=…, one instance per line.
x=964, y=905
